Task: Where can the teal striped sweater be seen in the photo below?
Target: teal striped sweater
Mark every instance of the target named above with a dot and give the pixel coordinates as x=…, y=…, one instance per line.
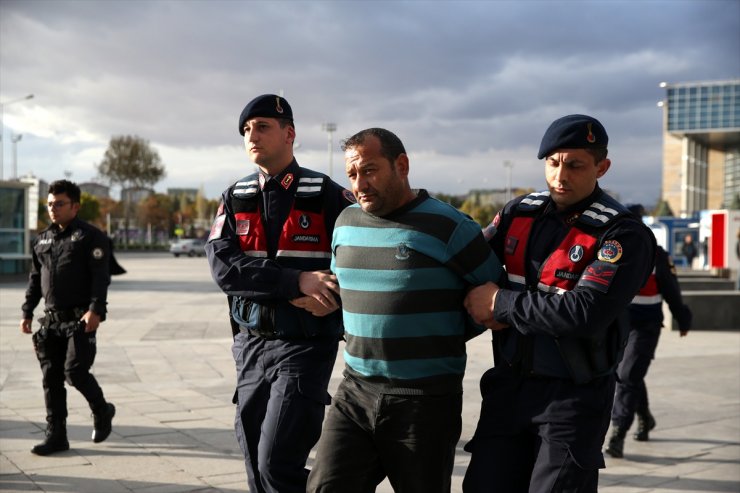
x=403, y=279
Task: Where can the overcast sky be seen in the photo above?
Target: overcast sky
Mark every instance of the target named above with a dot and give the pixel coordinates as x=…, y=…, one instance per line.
x=467, y=85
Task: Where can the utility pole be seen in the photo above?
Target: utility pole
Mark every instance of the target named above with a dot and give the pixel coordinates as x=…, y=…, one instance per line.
x=330, y=128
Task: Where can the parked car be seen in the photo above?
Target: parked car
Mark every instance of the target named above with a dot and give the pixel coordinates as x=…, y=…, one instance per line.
x=188, y=246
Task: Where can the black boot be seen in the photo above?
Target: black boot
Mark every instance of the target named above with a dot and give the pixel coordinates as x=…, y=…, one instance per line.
x=103, y=422
x=645, y=423
x=56, y=438
x=616, y=443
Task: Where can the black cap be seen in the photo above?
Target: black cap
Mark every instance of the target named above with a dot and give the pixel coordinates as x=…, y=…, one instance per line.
x=573, y=132
x=268, y=106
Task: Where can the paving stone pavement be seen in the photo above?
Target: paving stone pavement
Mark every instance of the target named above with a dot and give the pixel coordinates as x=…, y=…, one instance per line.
x=164, y=359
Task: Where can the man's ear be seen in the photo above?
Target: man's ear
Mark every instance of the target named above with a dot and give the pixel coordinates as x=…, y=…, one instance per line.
x=603, y=166
x=402, y=165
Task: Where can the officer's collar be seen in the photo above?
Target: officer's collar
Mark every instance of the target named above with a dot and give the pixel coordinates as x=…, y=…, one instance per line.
x=575, y=209
x=71, y=226
x=282, y=178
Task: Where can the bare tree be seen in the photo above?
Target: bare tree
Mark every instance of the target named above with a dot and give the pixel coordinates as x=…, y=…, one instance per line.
x=133, y=164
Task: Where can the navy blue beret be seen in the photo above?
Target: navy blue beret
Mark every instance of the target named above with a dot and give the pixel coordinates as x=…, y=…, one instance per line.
x=267, y=106
x=573, y=132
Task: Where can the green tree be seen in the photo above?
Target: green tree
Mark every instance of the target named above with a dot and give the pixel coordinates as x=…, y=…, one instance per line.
x=481, y=213
x=89, y=209
x=453, y=200
x=662, y=210
x=155, y=211
x=131, y=163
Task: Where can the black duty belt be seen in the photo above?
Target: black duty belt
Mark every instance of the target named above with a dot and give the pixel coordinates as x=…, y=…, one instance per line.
x=71, y=315
x=264, y=334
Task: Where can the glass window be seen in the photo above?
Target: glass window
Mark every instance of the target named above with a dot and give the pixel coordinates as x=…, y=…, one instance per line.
x=12, y=208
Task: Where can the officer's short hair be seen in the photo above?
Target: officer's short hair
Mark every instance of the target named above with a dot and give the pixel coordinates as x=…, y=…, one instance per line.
x=390, y=145
x=65, y=186
x=598, y=154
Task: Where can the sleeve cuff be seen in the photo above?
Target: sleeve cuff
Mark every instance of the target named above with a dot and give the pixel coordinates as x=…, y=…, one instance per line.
x=289, y=284
x=504, y=302
x=97, y=308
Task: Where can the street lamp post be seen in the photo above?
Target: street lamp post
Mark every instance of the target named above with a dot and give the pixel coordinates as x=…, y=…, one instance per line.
x=508, y=165
x=329, y=128
x=15, y=139
x=2, y=127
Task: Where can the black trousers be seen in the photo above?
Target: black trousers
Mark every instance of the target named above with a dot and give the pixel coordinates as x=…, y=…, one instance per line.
x=66, y=353
x=538, y=435
x=631, y=395
x=281, y=398
x=369, y=435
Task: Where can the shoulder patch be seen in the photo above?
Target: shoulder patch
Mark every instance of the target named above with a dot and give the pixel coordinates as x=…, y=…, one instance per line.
x=491, y=229
x=598, y=276
x=349, y=196
x=610, y=251
x=97, y=253
x=216, y=227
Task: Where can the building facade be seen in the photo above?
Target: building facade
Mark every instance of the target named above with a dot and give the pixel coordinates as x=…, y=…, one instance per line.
x=15, y=244
x=701, y=145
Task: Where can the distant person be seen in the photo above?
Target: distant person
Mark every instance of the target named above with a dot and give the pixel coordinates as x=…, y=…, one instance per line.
x=70, y=271
x=269, y=251
x=646, y=322
x=404, y=261
x=574, y=258
x=688, y=250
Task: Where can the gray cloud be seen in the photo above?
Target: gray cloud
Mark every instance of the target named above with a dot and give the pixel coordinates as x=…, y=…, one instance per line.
x=472, y=82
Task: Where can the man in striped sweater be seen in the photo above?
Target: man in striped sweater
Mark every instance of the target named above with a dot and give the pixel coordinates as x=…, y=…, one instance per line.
x=404, y=262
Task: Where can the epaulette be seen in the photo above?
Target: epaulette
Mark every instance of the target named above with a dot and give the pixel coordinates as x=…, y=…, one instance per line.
x=533, y=201
x=247, y=187
x=602, y=212
x=310, y=183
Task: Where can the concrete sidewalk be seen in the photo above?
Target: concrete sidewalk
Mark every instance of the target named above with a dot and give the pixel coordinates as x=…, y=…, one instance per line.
x=164, y=360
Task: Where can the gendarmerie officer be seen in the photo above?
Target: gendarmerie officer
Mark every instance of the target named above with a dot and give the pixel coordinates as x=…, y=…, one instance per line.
x=269, y=250
x=574, y=258
x=646, y=322
x=70, y=271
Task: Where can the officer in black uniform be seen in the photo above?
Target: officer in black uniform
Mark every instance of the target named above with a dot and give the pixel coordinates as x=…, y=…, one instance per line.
x=269, y=250
x=70, y=270
x=574, y=258
x=646, y=321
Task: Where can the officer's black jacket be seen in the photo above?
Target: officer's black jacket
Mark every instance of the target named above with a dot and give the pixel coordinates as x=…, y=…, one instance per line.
x=263, y=279
x=69, y=269
x=665, y=275
x=584, y=313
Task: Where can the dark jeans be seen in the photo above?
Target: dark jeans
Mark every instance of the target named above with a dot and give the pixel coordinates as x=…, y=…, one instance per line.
x=369, y=435
x=631, y=395
x=281, y=398
x=538, y=434
x=66, y=352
